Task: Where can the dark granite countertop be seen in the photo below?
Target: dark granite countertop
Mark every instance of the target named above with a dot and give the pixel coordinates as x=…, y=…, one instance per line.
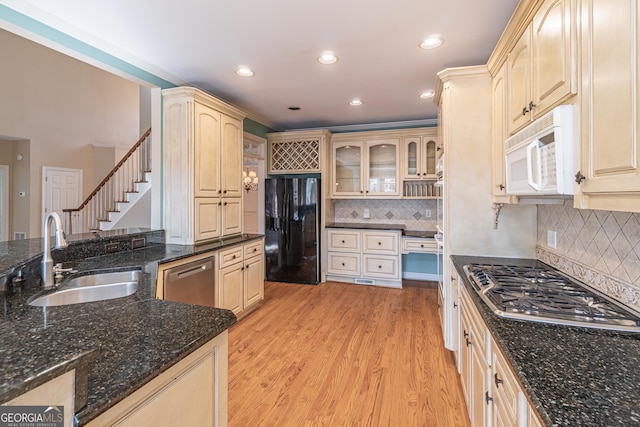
x=122, y=343
x=573, y=376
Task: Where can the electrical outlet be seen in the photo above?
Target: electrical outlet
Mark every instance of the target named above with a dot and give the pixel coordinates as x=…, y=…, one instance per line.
x=112, y=247
x=551, y=239
x=428, y=213
x=366, y=214
x=138, y=242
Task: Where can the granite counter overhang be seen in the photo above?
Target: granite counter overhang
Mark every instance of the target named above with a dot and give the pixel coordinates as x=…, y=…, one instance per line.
x=573, y=376
x=124, y=343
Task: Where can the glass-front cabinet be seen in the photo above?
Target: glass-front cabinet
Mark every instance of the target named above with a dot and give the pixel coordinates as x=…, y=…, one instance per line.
x=420, y=154
x=366, y=168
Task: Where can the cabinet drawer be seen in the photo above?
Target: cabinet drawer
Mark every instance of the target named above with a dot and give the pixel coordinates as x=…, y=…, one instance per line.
x=421, y=245
x=344, y=264
x=253, y=249
x=345, y=241
x=381, y=243
x=381, y=266
x=506, y=388
x=230, y=256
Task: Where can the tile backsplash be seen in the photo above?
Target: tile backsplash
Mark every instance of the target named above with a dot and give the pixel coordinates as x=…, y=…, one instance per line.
x=411, y=213
x=601, y=248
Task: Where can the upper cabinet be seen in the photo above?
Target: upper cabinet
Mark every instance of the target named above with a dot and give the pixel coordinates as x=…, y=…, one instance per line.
x=610, y=106
x=202, y=149
x=365, y=168
x=541, y=67
x=419, y=156
x=499, y=134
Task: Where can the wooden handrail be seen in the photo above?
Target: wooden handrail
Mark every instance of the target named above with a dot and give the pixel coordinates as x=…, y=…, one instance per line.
x=113, y=171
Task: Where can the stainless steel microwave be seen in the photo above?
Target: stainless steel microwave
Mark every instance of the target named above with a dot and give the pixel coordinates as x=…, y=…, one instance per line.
x=539, y=158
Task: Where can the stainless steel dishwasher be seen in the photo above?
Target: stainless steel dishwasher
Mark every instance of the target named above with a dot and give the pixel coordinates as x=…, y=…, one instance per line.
x=191, y=283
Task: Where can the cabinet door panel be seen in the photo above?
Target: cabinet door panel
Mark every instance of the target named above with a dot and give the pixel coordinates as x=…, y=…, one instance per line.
x=412, y=157
x=498, y=181
x=519, y=75
x=206, y=151
x=382, y=172
x=231, y=159
x=253, y=281
x=384, y=267
x=344, y=264
x=347, y=169
x=207, y=218
x=552, y=55
x=381, y=243
x=230, y=288
x=610, y=107
x=231, y=216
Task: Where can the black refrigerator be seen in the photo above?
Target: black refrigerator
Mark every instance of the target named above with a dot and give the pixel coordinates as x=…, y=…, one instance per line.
x=292, y=230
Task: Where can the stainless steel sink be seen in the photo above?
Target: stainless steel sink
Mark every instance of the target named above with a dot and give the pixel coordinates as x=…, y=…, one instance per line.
x=91, y=287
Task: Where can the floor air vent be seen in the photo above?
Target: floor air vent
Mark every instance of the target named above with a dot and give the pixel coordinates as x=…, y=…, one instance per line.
x=365, y=282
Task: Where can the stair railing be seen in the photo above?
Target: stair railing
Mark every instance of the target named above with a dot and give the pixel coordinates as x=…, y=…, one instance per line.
x=113, y=189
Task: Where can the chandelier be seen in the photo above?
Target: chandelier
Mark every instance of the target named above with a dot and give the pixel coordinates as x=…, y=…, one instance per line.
x=250, y=181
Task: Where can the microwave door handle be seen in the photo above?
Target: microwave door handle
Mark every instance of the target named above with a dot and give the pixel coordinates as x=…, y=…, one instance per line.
x=530, y=171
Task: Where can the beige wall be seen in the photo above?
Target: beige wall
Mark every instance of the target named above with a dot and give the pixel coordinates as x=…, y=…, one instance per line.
x=19, y=180
x=62, y=106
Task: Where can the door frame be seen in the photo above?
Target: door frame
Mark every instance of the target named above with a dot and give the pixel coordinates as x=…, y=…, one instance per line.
x=4, y=203
x=261, y=175
x=47, y=169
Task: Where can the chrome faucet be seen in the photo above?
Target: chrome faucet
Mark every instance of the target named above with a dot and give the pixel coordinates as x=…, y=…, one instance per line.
x=46, y=270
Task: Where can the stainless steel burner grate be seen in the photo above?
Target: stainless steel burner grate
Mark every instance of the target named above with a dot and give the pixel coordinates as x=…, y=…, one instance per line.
x=542, y=293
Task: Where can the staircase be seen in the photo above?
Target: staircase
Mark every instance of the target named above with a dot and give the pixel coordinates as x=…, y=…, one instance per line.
x=120, y=190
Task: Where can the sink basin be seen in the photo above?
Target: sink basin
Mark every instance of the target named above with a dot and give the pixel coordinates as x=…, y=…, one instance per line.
x=91, y=287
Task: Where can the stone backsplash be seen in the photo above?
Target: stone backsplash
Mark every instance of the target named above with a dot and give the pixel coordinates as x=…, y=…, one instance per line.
x=600, y=248
x=412, y=213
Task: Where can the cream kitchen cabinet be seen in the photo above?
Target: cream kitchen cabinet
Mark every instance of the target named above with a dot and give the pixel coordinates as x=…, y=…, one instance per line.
x=202, y=148
x=610, y=106
x=365, y=168
x=419, y=156
x=499, y=128
x=191, y=392
x=541, y=68
x=493, y=393
x=369, y=257
x=240, y=279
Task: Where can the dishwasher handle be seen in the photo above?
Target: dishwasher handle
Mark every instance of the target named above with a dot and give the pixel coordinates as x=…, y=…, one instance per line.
x=190, y=269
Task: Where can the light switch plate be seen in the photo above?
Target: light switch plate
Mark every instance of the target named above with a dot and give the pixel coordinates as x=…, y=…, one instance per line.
x=428, y=213
x=366, y=214
x=551, y=239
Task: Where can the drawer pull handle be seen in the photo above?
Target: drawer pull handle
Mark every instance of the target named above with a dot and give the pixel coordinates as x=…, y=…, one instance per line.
x=422, y=245
x=379, y=243
x=234, y=257
x=497, y=380
x=379, y=266
x=343, y=241
x=455, y=305
x=247, y=266
x=343, y=264
x=465, y=334
x=255, y=249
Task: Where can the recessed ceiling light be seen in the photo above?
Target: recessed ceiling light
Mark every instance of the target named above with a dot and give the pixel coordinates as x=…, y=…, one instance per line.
x=432, y=42
x=328, y=58
x=427, y=94
x=355, y=101
x=244, y=71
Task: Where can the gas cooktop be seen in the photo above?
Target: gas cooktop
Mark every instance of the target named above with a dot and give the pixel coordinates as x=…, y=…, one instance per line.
x=543, y=294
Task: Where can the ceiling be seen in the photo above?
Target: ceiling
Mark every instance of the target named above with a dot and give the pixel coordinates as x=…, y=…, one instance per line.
x=202, y=42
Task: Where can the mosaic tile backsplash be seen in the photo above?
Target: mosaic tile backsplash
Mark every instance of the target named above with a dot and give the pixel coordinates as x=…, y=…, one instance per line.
x=411, y=213
x=601, y=248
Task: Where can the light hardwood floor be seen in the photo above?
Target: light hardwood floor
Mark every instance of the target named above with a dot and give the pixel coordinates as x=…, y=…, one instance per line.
x=343, y=355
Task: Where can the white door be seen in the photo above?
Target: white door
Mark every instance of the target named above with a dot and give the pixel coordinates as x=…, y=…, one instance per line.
x=62, y=189
x=4, y=202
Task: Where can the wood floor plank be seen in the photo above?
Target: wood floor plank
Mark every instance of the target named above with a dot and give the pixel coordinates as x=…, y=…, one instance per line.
x=340, y=354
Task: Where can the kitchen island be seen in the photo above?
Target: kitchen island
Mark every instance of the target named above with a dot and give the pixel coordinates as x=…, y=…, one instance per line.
x=572, y=376
x=115, y=346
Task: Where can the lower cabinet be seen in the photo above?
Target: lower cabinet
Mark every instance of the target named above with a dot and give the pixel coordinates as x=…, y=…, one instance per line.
x=368, y=257
x=493, y=393
x=240, y=278
x=191, y=392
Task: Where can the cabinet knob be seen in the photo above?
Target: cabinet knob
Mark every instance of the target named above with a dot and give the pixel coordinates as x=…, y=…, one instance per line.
x=234, y=257
x=532, y=105
x=225, y=203
x=487, y=397
x=524, y=111
x=367, y=191
x=343, y=264
x=579, y=177
x=501, y=187
x=497, y=380
x=255, y=249
x=219, y=203
x=465, y=333
x=219, y=191
x=247, y=266
x=455, y=305
x=379, y=266
x=360, y=191
x=379, y=243
x=422, y=245
x=343, y=241
x=224, y=192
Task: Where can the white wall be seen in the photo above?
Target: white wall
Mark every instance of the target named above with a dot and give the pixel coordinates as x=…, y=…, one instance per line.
x=62, y=106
